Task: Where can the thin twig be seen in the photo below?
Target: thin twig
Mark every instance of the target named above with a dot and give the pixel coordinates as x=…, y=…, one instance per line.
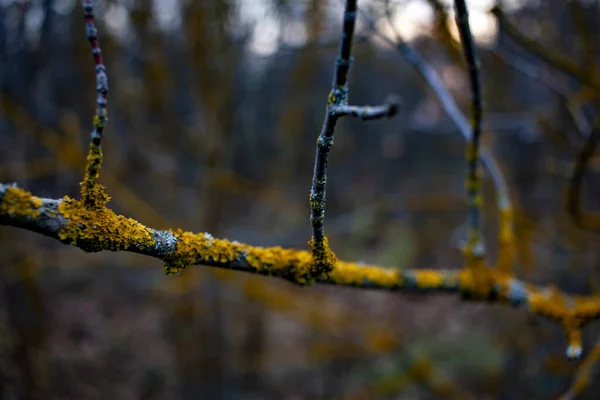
x=367, y=113
x=337, y=106
x=92, y=195
x=475, y=246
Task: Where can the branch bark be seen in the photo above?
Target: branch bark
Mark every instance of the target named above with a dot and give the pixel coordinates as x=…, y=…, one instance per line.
x=94, y=230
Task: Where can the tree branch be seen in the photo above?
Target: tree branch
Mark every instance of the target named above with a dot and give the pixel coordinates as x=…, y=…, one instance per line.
x=93, y=230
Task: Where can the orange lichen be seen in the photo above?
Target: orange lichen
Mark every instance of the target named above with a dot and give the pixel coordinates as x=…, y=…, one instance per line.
x=20, y=203
x=101, y=229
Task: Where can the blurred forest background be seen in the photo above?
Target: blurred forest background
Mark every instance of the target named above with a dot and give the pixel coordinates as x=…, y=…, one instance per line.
x=214, y=110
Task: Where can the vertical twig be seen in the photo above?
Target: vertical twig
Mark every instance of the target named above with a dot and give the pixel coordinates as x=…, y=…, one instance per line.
x=475, y=246
x=323, y=256
x=337, y=96
x=337, y=106
x=93, y=194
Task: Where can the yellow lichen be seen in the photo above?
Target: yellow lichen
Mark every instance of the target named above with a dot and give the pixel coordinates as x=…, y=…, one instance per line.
x=193, y=247
x=93, y=194
x=282, y=262
x=20, y=203
x=98, y=121
x=550, y=302
x=476, y=280
x=331, y=99
x=313, y=202
x=429, y=279
x=355, y=275
x=101, y=229
x=323, y=258
x=473, y=184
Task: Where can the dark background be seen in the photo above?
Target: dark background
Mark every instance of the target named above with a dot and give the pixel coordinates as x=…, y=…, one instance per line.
x=214, y=110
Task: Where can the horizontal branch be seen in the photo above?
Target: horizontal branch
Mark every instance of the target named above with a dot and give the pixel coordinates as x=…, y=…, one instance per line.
x=101, y=229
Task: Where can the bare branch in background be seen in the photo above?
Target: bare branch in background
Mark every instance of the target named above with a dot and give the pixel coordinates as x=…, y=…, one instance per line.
x=572, y=101
x=506, y=239
x=475, y=249
x=574, y=207
x=557, y=60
